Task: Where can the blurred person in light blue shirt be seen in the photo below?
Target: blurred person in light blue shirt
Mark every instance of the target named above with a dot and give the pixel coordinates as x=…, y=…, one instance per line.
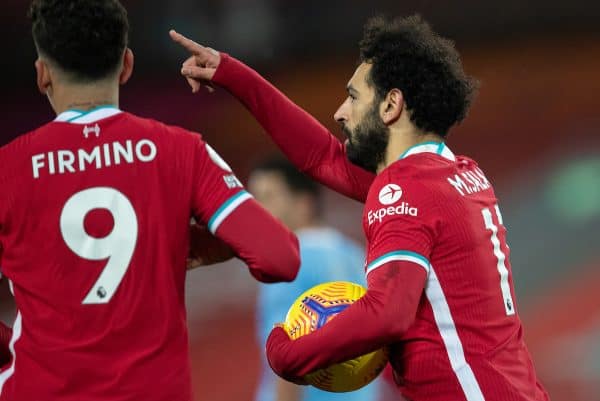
x=326, y=255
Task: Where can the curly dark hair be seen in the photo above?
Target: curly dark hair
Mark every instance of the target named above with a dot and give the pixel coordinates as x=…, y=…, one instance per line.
x=85, y=38
x=407, y=54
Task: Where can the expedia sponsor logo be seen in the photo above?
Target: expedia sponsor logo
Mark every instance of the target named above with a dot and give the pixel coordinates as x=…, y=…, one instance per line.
x=377, y=216
x=390, y=194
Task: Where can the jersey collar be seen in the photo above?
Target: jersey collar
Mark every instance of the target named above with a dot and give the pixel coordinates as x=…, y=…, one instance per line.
x=439, y=148
x=89, y=116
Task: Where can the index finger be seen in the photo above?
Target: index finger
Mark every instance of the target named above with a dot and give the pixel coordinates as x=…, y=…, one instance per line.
x=187, y=43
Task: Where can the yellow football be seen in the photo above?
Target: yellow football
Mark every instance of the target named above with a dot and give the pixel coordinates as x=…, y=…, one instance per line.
x=312, y=310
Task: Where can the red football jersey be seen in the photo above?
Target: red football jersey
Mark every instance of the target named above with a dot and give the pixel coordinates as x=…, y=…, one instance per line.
x=94, y=226
x=431, y=210
x=439, y=212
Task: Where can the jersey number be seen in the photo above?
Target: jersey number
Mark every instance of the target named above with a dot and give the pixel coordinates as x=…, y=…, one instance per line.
x=509, y=305
x=117, y=247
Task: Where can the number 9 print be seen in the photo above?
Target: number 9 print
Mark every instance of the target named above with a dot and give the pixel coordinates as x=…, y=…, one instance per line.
x=117, y=247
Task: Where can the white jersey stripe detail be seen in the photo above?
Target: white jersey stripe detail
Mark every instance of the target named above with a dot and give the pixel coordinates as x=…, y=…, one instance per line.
x=499, y=215
x=454, y=348
x=4, y=376
x=67, y=115
x=424, y=148
x=80, y=117
x=447, y=153
x=399, y=256
x=226, y=209
x=500, y=257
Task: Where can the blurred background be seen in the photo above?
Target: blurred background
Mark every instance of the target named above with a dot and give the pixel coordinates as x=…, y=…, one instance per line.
x=534, y=129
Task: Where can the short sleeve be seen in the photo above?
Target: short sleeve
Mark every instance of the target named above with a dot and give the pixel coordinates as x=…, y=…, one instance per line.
x=400, y=222
x=217, y=192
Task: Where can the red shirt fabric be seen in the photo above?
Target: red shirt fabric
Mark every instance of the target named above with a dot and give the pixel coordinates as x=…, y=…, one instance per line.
x=440, y=288
x=94, y=228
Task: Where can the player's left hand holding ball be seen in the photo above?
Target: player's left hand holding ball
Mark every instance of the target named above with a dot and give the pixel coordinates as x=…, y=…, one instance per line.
x=279, y=345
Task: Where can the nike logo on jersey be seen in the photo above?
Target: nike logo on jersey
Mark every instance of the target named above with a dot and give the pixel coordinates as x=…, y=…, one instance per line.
x=105, y=155
x=469, y=182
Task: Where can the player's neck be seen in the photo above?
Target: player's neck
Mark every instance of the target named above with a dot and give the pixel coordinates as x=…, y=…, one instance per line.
x=403, y=139
x=84, y=97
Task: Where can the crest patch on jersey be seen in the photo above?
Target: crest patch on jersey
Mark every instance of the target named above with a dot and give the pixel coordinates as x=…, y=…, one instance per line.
x=214, y=156
x=390, y=194
x=232, y=181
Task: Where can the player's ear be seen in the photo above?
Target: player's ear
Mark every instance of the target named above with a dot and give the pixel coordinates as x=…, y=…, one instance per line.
x=44, y=80
x=392, y=106
x=127, y=69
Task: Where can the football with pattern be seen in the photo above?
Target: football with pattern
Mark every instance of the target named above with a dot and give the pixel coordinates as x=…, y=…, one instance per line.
x=313, y=309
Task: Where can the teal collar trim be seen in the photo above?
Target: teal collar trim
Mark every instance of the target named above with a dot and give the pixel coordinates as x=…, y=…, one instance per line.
x=439, y=148
x=89, y=116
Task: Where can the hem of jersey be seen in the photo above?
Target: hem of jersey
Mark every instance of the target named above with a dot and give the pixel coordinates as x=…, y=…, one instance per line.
x=401, y=255
x=226, y=209
x=9, y=372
